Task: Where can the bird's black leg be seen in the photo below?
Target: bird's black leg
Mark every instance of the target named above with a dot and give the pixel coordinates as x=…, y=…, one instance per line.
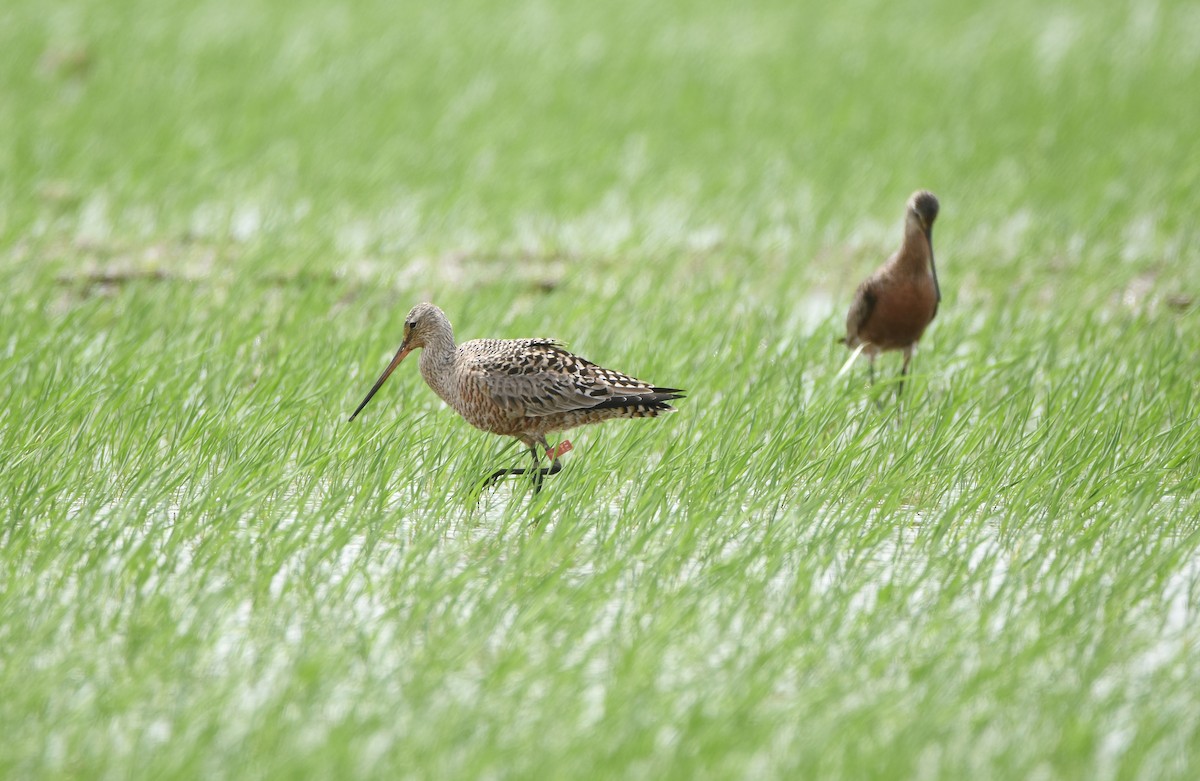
x=499, y=473
x=871, y=379
x=903, y=373
x=538, y=471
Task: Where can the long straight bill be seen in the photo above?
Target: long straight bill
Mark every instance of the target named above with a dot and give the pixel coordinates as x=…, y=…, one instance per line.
x=932, y=268
x=850, y=361
x=403, y=351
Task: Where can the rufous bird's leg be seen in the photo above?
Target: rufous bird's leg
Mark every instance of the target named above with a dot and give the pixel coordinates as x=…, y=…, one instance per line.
x=908, y=353
x=871, y=377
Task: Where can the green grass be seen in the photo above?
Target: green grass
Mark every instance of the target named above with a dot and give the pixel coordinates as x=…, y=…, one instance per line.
x=214, y=217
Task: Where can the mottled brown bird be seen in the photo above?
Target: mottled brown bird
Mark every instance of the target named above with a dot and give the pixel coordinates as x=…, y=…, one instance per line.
x=523, y=388
x=894, y=306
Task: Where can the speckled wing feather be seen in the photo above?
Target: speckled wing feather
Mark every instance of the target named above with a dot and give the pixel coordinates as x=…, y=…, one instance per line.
x=537, y=377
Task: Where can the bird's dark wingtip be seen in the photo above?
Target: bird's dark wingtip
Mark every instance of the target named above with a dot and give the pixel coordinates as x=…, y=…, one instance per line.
x=657, y=399
x=664, y=395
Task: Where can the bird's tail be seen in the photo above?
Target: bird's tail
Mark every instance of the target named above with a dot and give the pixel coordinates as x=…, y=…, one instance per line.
x=647, y=404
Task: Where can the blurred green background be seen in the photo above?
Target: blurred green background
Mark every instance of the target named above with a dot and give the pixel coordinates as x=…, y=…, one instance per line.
x=214, y=216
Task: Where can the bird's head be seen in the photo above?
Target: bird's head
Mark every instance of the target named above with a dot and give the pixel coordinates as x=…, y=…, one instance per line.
x=922, y=210
x=420, y=325
x=423, y=323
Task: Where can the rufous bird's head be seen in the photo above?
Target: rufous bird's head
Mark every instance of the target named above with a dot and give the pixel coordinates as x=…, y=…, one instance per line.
x=923, y=208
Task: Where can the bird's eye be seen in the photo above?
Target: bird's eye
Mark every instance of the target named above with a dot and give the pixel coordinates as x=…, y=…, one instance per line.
x=410, y=325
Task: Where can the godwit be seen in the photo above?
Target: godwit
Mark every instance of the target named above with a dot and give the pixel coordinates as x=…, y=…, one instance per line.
x=893, y=306
x=523, y=388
